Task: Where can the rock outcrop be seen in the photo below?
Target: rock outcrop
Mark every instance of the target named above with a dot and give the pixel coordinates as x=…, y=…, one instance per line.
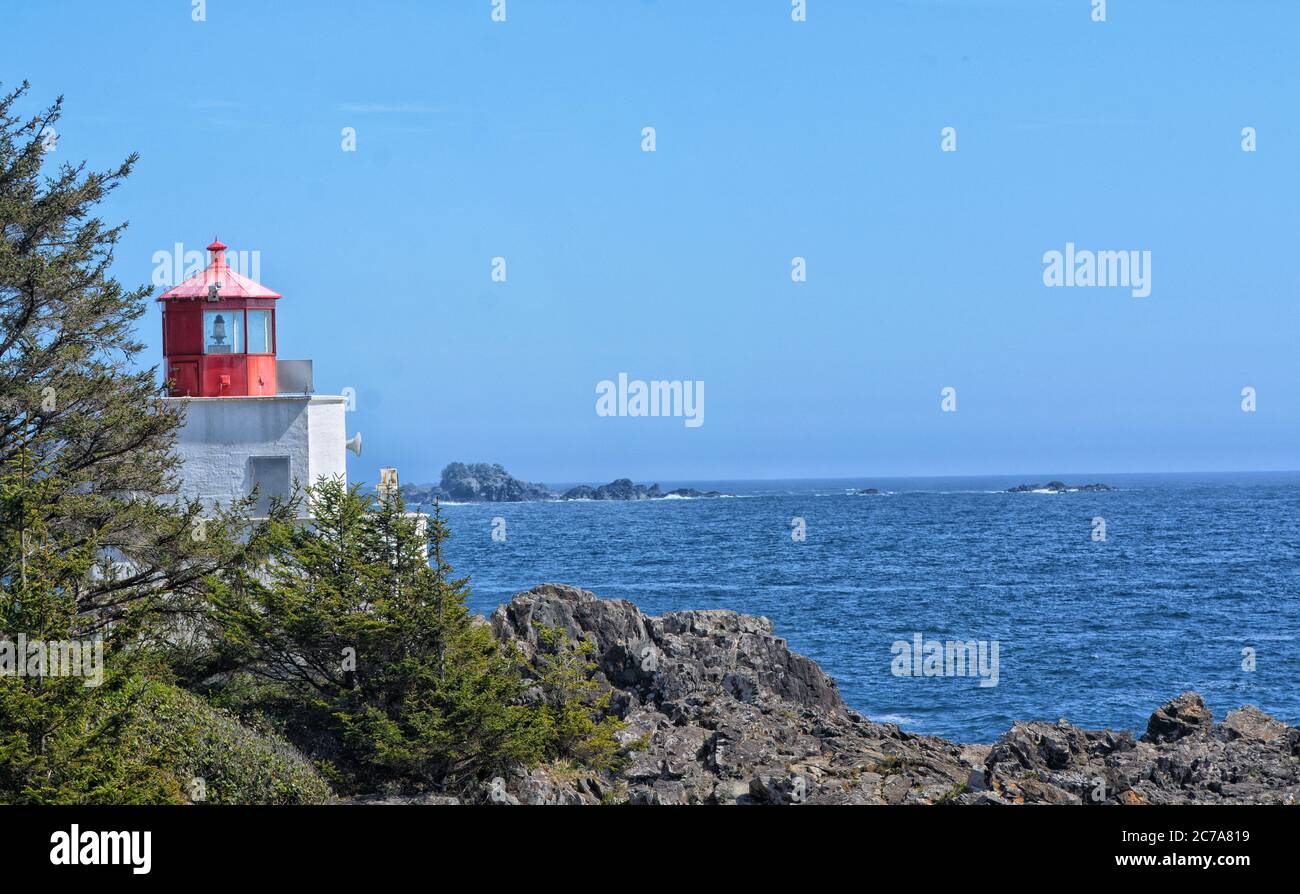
x=624, y=489
x=477, y=483
x=1058, y=487
x=619, y=489
x=722, y=712
x=1182, y=717
x=491, y=483
x=1250, y=758
x=692, y=493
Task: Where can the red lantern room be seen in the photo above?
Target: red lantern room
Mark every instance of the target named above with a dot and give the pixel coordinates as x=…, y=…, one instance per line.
x=219, y=333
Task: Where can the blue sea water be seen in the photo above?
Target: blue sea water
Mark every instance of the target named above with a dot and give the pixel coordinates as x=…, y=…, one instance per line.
x=1194, y=570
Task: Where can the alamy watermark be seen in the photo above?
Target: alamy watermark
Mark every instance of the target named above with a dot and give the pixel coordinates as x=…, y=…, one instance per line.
x=946, y=658
x=173, y=267
x=23, y=657
x=1103, y=269
x=636, y=397
x=91, y=848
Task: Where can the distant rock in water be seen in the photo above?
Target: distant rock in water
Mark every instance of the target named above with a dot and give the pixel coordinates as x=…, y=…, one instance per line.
x=619, y=489
x=491, y=483
x=1057, y=487
x=693, y=493
x=477, y=483
x=869, y=492
x=624, y=489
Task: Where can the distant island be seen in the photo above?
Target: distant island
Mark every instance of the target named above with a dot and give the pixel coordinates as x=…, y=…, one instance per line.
x=624, y=489
x=477, y=483
x=491, y=483
x=1057, y=487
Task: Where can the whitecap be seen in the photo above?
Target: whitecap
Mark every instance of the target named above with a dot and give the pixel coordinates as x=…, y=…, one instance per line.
x=896, y=719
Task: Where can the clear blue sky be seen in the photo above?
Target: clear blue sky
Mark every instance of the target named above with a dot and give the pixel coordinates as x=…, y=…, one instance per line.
x=775, y=139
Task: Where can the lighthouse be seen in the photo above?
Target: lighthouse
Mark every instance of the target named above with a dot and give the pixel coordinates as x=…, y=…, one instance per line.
x=253, y=422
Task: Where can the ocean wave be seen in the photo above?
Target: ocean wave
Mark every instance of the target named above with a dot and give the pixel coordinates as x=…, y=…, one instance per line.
x=896, y=719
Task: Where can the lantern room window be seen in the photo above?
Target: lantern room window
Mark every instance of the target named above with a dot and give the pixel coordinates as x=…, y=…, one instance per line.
x=221, y=332
x=259, y=332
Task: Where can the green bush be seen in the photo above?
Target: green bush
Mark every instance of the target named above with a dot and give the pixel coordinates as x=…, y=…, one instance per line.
x=370, y=659
x=368, y=654
x=219, y=760
x=146, y=742
x=575, y=708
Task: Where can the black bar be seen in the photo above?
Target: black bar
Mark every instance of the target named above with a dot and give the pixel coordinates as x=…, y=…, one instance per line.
x=330, y=844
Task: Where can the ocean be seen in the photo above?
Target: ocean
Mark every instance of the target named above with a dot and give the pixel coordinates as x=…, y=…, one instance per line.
x=1196, y=585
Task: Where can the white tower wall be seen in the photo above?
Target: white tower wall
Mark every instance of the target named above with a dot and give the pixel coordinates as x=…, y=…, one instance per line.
x=229, y=443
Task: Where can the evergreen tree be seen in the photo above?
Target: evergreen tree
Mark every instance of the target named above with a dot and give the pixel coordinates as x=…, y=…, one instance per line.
x=362, y=638
x=92, y=547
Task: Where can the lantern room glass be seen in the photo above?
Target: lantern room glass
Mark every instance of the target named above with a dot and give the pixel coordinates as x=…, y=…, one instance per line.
x=259, y=332
x=221, y=332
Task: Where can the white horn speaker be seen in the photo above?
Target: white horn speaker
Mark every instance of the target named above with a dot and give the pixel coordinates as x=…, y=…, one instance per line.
x=354, y=444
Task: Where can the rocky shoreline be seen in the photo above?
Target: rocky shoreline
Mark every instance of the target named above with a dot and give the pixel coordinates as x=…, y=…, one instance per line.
x=725, y=713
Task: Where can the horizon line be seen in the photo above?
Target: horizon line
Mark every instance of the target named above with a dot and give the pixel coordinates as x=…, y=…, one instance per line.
x=656, y=479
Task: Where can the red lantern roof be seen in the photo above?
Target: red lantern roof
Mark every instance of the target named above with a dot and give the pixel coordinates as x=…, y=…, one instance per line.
x=229, y=283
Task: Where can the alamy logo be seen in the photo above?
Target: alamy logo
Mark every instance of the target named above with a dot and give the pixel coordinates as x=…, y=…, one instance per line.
x=77, y=848
x=656, y=398
x=173, y=267
x=23, y=657
x=946, y=658
x=1103, y=269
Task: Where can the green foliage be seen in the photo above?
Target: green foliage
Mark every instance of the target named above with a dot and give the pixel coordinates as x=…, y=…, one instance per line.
x=367, y=648
x=360, y=641
x=93, y=544
x=163, y=741
x=63, y=743
x=351, y=634
x=575, y=707
x=219, y=760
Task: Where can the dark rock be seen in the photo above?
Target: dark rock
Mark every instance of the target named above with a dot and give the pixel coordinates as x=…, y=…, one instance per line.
x=778, y=788
x=1035, y=791
x=490, y=483
x=723, y=712
x=624, y=489
x=1058, y=487
x=477, y=483
x=868, y=492
x=1249, y=722
x=728, y=714
x=1039, y=746
x=539, y=786
x=692, y=493
x=1184, y=716
x=895, y=788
